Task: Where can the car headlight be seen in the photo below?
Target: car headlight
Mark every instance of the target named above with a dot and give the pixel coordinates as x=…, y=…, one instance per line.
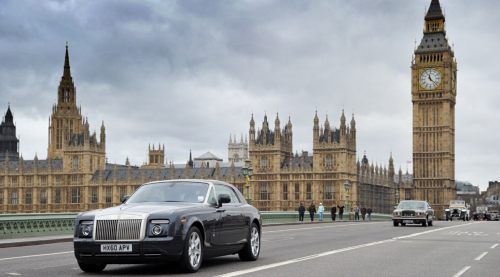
x=158, y=228
x=396, y=213
x=86, y=228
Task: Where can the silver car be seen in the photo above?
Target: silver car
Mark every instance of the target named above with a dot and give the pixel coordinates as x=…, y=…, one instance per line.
x=413, y=212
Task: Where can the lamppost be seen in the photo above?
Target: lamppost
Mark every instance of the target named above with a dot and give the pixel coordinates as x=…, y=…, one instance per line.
x=247, y=171
x=347, y=188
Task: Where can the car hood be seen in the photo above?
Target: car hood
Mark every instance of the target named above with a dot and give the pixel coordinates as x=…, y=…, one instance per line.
x=416, y=210
x=143, y=208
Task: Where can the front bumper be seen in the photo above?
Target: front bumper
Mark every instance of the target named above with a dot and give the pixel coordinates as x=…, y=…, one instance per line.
x=149, y=250
x=409, y=220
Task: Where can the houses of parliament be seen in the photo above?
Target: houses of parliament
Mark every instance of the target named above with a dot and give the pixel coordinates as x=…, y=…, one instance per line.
x=75, y=175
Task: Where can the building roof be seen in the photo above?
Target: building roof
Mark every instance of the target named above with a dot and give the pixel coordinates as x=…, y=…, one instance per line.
x=208, y=156
x=434, y=11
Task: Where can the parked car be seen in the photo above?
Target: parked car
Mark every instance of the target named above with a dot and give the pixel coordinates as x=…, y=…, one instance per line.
x=413, y=212
x=185, y=221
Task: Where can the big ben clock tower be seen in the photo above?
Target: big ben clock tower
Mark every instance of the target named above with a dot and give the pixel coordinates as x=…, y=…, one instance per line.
x=434, y=91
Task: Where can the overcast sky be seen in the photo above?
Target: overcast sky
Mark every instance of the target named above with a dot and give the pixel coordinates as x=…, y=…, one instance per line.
x=188, y=73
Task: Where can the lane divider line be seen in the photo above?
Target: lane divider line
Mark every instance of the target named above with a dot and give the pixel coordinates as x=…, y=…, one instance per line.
x=33, y=256
x=494, y=245
x=323, y=227
x=430, y=231
x=327, y=253
x=481, y=256
x=462, y=271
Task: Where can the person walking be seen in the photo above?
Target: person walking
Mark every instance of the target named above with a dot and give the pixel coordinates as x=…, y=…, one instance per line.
x=369, y=212
x=302, y=211
x=321, y=211
x=333, y=212
x=356, y=213
x=363, y=213
x=341, y=211
x=312, y=211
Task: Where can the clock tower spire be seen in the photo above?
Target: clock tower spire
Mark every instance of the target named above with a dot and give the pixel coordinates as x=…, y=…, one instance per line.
x=434, y=70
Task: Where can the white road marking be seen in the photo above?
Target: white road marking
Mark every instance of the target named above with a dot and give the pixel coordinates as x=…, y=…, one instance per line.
x=481, y=256
x=494, y=245
x=430, y=231
x=33, y=256
x=14, y=274
x=328, y=253
x=264, y=267
x=462, y=271
x=323, y=227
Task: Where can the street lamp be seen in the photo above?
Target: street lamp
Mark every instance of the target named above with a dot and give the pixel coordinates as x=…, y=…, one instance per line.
x=247, y=171
x=347, y=187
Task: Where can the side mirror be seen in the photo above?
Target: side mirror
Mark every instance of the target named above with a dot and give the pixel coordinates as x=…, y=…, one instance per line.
x=224, y=199
x=125, y=198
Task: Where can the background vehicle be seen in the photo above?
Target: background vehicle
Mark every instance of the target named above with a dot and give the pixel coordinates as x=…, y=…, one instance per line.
x=178, y=220
x=457, y=209
x=413, y=212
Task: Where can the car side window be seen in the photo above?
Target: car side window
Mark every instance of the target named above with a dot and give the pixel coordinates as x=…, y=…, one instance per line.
x=222, y=189
x=212, y=200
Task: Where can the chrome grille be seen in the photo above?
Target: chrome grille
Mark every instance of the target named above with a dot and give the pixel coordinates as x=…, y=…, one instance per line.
x=118, y=229
x=408, y=213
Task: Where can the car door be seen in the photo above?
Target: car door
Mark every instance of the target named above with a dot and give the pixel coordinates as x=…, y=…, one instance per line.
x=234, y=223
x=215, y=220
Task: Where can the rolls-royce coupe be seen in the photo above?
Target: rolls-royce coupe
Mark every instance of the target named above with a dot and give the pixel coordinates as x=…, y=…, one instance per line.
x=185, y=221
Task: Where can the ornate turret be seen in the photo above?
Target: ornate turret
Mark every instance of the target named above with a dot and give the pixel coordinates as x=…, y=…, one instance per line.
x=9, y=143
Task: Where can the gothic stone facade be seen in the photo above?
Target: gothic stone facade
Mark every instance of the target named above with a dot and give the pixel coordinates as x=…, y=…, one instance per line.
x=75, y=176
x=331, y=175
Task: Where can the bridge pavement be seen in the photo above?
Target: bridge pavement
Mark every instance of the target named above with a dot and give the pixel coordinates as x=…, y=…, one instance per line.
x=330, y=249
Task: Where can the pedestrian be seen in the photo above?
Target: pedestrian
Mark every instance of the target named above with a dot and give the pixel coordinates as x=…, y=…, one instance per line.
x=333, y=212
x=356, y=213
x=341, y=211
x=312, y=211
x=363, y=213
x=321, y=211
x=369, y=212
x=302, y=210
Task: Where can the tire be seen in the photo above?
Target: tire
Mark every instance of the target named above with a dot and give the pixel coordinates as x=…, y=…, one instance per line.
x=91, y=267
x=429, y=223
x=251, y=250
x=424, y=223
x=192, y=256
x=395, y=223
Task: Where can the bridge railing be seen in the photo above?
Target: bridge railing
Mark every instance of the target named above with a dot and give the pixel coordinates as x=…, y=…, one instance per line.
x=34, y=225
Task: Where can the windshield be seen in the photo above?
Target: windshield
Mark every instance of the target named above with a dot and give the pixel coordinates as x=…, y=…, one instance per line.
x=411, y=205
x=191, y=192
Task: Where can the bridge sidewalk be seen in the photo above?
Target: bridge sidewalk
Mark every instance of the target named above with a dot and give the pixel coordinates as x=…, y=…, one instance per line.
x=4, y=243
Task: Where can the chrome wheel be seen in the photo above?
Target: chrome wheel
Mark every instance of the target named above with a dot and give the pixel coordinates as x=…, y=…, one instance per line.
x=255, y=241
x=194, y=249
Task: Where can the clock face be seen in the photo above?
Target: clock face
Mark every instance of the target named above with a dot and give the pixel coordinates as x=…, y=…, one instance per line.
x=430, y=78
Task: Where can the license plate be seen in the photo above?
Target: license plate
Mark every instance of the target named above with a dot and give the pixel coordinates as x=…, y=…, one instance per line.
x=408, y=221
x=116, y=248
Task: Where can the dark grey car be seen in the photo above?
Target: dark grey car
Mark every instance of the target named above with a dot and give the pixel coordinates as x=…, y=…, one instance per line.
x=177, y=220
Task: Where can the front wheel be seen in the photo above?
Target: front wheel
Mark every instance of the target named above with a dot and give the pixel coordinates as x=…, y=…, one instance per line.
x=192, y=256
x=395, y=223
x=91, y=267
x=424, y=223
x=251, y=250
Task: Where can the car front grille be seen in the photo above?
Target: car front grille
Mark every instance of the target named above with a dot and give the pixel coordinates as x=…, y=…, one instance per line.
x=118, y=229
x=408, y=213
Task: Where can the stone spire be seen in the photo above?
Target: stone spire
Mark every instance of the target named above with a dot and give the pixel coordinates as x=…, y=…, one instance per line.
x=67, y=69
